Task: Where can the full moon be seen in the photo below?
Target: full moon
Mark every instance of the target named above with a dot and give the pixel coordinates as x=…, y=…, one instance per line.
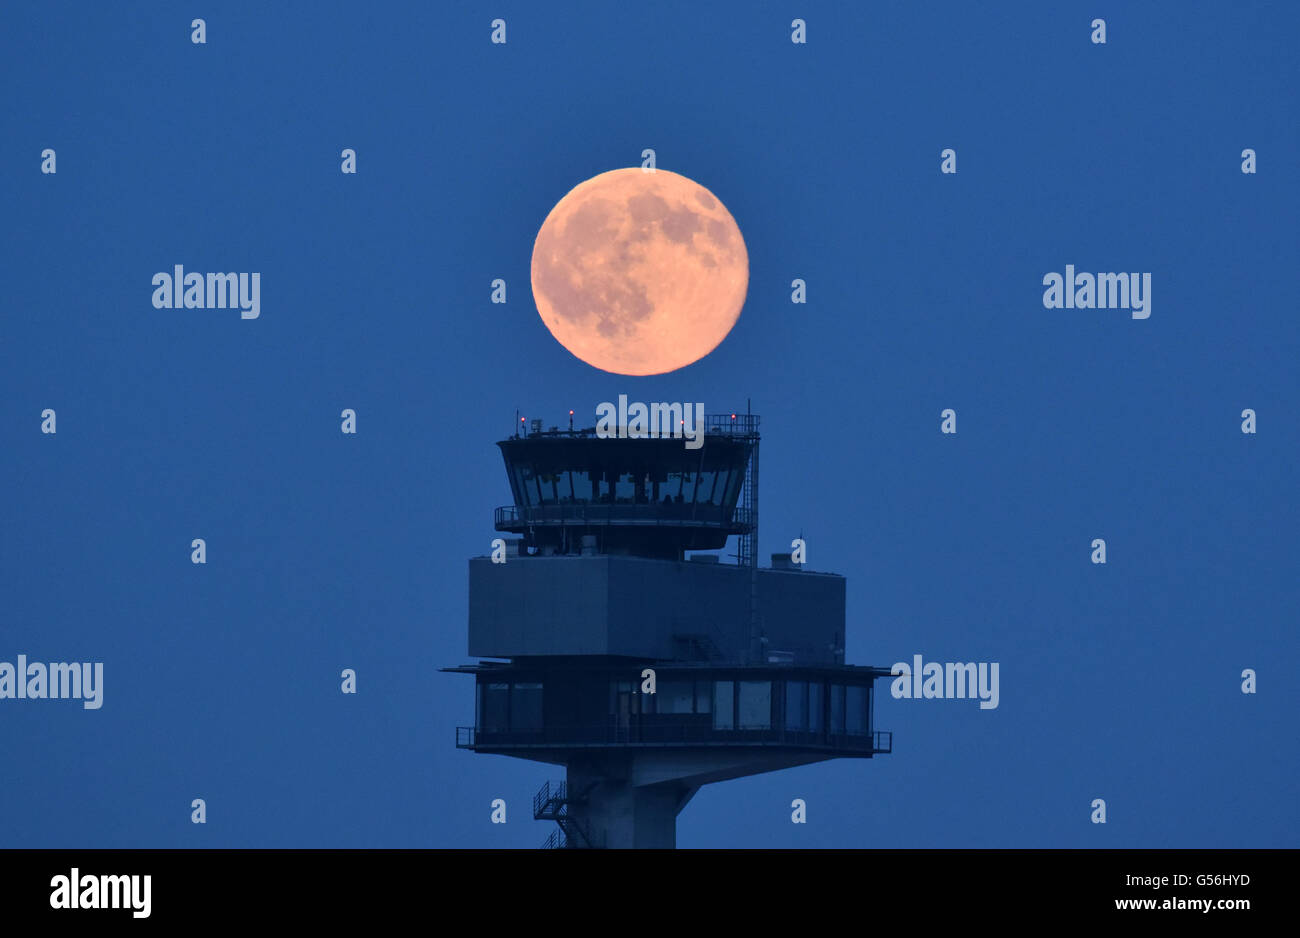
x=639, y=273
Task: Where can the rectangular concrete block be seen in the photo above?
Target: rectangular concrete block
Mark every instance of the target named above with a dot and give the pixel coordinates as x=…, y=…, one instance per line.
x=645, y=608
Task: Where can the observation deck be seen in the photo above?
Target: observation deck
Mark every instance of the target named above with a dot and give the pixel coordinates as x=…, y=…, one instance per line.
x=649, y=496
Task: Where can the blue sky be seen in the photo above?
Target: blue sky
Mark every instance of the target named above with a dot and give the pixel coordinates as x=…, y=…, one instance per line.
x=325, y=551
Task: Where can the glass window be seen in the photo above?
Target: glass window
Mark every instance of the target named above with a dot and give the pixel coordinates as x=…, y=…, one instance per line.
x=688, y=487
x=625, y=488
x=546, y=481
x=615, y=689
x=837, y=708
x=704, y=486
x=796, y=705
x=703, y=696
x=675, y=697
x=671, y=489
x=723, y=706
x=719, y=487
x=586, y=486
x=526, y=708
x=528, y=484
x=520, y=486
x=816, y=706
x=856, y=718
x=605, y=487
x=496, y=699
x=733, y=487
x=754, y=706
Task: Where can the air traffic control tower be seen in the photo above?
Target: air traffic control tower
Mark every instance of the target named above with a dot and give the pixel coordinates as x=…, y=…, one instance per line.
x=603, y=586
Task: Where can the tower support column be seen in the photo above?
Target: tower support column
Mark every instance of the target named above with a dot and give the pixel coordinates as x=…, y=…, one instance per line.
x=611, y=811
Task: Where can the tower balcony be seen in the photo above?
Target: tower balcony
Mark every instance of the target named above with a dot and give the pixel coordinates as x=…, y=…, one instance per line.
x=668, y=736
x=724, y=519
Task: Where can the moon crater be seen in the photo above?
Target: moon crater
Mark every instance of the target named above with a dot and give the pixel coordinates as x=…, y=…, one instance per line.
x=639, y=273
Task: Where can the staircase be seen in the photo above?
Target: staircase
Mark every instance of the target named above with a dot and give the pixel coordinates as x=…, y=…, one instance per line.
x=551, y=803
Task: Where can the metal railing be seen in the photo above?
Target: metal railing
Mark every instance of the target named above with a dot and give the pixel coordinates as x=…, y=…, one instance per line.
x=731, y=424
x=549, y=799
x=552, y=803
x=735, y=520
x=561, y=840
x=736, y=424
x=645, y=734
